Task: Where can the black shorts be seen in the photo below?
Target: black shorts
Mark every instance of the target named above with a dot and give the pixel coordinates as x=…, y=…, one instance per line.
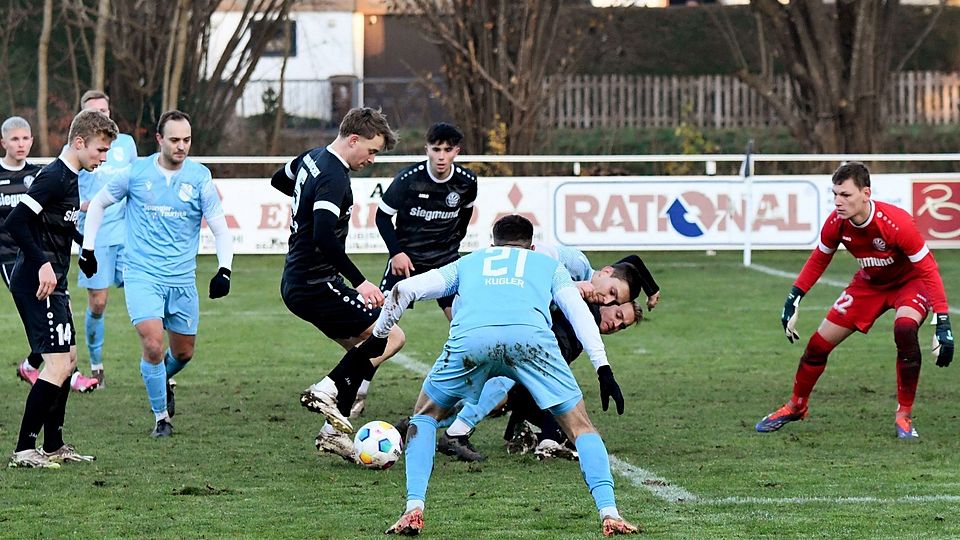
x=6, y=269
x=332, y=306
x=49, y=323
x=389, y=280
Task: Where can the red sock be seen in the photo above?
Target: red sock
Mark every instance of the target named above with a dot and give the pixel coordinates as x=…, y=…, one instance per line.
x=908, y=362
x=812, y=364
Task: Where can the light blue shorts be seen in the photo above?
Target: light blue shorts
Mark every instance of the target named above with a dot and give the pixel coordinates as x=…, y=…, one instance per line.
x=110, y=264
x=177, y=307
x=525, y=354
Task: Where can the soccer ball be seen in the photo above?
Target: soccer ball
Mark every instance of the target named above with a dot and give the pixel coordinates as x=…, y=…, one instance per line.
x=377, y=445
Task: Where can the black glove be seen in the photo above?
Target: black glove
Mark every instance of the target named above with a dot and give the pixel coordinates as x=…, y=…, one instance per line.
x=609, y=388
x=220, y=284
x=788, y=317
x=372, y=347
x=944, y=336
x=87, y=262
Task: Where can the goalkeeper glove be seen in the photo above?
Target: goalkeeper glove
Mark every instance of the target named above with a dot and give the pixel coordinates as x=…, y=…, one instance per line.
x=943, y=340
x=373, y=347
x=609, y=388
x=87, y=262
x=788, y=317
x=220, y=283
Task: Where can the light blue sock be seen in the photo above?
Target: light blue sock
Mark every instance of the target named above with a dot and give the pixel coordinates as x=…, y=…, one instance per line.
x=493, y=392
x=419, y=456
x=94, y=327
x=172, y=365
x=596, y=469
x=155, y=380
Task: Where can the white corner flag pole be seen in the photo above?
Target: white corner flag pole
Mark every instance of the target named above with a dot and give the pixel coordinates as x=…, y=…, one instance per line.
x=747, y=172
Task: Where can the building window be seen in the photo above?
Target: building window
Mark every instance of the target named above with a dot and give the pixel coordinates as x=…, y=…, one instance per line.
x=275, y=45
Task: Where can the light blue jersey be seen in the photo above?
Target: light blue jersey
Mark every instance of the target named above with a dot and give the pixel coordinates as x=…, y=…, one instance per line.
x=122, y=154
x=163, y=219
x=572, y=258
x=502, y=286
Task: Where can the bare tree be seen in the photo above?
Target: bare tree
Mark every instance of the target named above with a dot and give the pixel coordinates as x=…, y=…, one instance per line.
x=497, y=57
x=99, y=67
x=43, y=55
x=15, y=13
x=839, y=60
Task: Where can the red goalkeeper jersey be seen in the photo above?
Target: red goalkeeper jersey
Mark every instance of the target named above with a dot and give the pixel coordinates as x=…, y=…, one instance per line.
x=888, y=248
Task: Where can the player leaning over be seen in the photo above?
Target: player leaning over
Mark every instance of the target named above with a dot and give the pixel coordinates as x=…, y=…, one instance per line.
x=897, y=271
x=43, y=225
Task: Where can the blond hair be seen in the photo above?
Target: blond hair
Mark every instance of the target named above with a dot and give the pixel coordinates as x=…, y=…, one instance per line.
x=368, y=123
x=89, y=123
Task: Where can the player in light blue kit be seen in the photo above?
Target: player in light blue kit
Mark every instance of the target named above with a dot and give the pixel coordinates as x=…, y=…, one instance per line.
x=167, y=197
x=122, y=154
x=501, y=326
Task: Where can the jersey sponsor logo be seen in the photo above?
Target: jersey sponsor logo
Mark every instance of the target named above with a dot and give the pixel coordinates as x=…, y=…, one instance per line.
x=71, y=215
x=868, y=262
x=847, y=239
x=164, y=211
x=11, y=200
x=186, y=192
x=311, y=166
x=430, y=215
x=936, y=209
x=453, y=200
x=879, y=244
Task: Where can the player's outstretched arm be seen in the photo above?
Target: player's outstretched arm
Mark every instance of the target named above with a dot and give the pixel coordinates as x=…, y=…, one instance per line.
x=91, y=226
x=220, y=283
x=438, y=283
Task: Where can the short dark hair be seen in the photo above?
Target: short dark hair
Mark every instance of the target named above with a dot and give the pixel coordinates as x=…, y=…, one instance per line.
x=443, y=132
x=629, y=274
x=168, y=116
x=513, y=229
x=368, y=123
x=855, y=171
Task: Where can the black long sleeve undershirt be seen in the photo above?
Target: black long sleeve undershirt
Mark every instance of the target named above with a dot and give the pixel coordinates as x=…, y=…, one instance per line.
x=388, y=232
x=327, y=242
x=18, y=225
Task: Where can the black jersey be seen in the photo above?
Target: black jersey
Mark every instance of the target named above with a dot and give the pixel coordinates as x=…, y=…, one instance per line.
x=321, y=182
x=54, y=199
x=13, y=184
x=428, y=211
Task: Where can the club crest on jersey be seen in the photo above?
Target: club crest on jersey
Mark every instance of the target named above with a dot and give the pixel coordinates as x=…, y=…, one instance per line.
x=879, y=244
x=186, y=192
x=28, y=180
x=453, y=199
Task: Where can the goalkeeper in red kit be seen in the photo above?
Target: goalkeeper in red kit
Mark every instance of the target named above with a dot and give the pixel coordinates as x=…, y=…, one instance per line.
x=897, y=271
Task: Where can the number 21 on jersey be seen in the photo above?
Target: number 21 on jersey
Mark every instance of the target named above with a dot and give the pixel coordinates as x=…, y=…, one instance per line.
x=498, y=263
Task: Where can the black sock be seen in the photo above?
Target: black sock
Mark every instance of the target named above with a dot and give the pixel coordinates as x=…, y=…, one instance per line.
x=53, y=426
x=35, y=359
x=352, y=369
x=550, y=429
x=372, y=373
x=41, y=398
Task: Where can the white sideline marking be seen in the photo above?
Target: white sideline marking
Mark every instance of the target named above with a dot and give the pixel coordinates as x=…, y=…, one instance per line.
x=643, y=478
x=828, y=281
x=656, y=485
x=831, y=500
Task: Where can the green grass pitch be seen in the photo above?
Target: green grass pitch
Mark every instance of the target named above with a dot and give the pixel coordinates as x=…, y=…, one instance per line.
x=707, y=364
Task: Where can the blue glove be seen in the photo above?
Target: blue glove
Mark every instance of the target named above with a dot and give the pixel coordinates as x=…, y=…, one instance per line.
x=788, y=317
x=944, y=340
x=87, y=262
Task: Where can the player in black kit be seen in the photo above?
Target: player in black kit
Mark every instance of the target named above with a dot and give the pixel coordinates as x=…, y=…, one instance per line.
x=43, y=225
x=16, y=175
x=313, y=285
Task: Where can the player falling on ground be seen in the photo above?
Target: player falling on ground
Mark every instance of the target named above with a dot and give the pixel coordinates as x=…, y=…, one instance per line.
x=614, y=285
x=897, y=271
x=432, y=202
x=168, y=195
x=501, y=326
x=16, y=175
x=43, y=225
x=110, y=239
x=313, y=285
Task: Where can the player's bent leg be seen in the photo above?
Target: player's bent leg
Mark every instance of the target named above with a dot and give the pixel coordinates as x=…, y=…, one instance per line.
x=154, y=374
x=594, y=463
x=94, y=328
x=175, y=359
x=905, y=328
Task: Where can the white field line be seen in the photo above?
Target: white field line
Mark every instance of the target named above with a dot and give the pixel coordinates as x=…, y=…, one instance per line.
x=780, y=273
x=643, y=478
x=906, y=499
